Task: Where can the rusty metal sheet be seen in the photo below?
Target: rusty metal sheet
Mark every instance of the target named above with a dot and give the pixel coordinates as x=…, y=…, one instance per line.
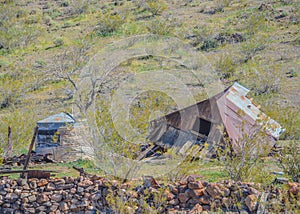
x=240, y=114
x=58, y=118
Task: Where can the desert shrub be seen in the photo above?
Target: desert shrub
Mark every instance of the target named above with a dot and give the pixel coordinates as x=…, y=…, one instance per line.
x=242, y=161
x=58, y=42
x=285, y=202
x=256, y=22
x=289, y=119
x=252, y=46
x=48, y=20
x=287, y=2
x=1, y=155
x=208, y=44
x=119, y=202
x=292, y=73
x=225, y=66
x=221, y=4
x=133, y=28
x=54, y=13
x=262, y=80
x=203, y=39
x=199, y=34
x=147, y=201
x=155, y=6
x=22, y=127
x=65, y=3
x=109, y=23
x=289, y=160
x=15, y=30
x=77, y=6
x=11, y=91
x=139, y=3
x=110, y=134
x=160, y=26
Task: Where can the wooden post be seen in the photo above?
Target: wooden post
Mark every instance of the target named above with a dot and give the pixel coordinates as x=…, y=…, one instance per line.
x=30, y=150
x=9, y=144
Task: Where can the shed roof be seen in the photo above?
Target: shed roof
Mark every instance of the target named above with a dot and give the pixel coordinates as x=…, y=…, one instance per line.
x=236, y=104
x=62, y=117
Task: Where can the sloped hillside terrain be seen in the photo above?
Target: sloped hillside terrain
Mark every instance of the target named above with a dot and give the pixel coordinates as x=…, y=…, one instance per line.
x=44, y=45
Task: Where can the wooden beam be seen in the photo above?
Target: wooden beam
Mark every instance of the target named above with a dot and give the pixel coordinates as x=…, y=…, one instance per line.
x=30, y=150
x=9, y=144
x=145, y=152
x=30, y=173
x=23, y=171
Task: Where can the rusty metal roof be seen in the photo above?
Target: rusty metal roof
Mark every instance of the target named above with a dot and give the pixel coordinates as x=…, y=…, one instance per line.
x=62, y=117
x=237, y=109
x=231, y=107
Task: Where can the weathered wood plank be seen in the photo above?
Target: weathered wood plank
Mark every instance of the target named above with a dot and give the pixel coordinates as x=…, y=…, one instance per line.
x=30, y=148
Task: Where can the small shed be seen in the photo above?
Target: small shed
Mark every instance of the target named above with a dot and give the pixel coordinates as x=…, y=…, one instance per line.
x=57, y=136
x=230, y=112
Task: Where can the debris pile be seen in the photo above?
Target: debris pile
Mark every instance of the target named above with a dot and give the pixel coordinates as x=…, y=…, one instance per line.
x=34, y=159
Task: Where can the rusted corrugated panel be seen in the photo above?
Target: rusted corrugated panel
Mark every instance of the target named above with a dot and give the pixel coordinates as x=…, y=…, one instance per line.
x=241, y=116
x=58, y=118
x=236, y=124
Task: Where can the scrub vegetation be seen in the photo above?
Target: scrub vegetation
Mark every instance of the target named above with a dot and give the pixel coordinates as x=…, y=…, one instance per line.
x=45, y=44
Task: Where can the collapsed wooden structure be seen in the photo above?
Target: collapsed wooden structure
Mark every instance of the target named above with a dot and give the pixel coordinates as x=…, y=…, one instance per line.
x=230, y=112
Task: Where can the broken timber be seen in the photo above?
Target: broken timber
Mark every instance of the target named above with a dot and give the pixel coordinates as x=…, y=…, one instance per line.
x=9, y=144
x=30, y=173
x=30, y=150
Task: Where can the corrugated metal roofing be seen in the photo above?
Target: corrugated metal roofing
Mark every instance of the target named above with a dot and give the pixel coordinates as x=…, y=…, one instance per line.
x=58, y=118
x=232, y=108
x=236, y=95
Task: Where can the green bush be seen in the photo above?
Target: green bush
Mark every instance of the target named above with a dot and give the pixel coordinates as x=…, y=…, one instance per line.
x=109, y=23
x=22, y=122
x=256, y=22
x=252, y=46
x=11, y=91
x=155, y=6
x=58, y=42
x=209, y=44
x=289, y=160
x=221, y=4
x=225, y=66
x=160, y=26
x=15, y=30
x=242, y=161
x=78, y=6
x=262, y=80
x=139, y=3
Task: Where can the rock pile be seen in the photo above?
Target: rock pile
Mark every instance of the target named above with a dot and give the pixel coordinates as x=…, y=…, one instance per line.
x=89, y=195
x=227, y=196
x=66, y=195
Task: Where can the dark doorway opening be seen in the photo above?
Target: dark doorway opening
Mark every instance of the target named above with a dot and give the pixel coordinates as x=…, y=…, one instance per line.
x=202, y=126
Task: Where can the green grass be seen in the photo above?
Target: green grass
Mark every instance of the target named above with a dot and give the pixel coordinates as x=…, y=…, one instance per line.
x=64, y=169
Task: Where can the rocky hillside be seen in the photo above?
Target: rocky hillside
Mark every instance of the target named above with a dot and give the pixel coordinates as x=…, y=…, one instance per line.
x=45, y=44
